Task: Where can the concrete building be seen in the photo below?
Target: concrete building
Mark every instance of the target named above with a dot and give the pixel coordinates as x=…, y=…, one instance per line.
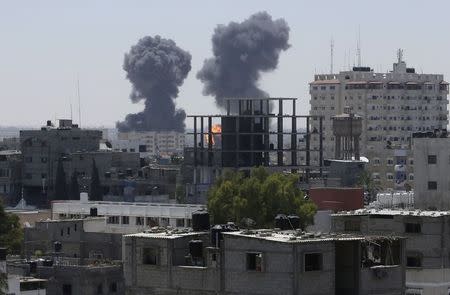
x=17, y=284
x=128, y=215
x=427, y=236
x=262, y=262
x=10, y=175
x=41, y=150
x=150, y=143
x=431, y=181
x=83, y=239
x=392, y=106
x=67, y=276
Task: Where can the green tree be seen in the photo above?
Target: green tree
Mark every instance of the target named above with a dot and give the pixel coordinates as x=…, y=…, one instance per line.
x=260, y=197
x=95, y=189
x=74, y=192
x=11, y=234
x=60, y=182
x=369, y=185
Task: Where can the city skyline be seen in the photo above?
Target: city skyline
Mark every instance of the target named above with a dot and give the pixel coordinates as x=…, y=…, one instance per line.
x=49, y=46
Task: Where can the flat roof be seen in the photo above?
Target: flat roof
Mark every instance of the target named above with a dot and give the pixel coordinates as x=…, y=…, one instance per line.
x=295, y=236
x=162, y=233
x=404, y=212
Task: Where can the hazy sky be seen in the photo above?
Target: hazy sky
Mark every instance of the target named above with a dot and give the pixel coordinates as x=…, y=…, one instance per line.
x=46, y=45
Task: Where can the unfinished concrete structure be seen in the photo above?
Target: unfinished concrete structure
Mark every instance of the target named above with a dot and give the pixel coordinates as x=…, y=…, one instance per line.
x=427, y=236
x=245, y=137
x=262, y=262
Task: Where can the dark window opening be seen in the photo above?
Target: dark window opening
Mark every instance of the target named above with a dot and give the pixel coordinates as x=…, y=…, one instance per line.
x=67, y=289
x=313, y=261
x=414, y=260
x=432, y=185
x=149, y=256
x=254, y=261
x=100, y=289
x=432, y=159
x=413, y=228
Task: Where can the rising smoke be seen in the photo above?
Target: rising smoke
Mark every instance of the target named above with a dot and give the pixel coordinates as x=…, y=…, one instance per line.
x=156, y=67
x=242, y=51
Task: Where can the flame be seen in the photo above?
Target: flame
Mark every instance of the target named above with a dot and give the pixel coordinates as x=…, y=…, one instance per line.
x=215, y=129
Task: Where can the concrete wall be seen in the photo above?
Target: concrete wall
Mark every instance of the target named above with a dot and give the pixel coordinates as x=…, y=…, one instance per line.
x=83, y=279
x=423, y=197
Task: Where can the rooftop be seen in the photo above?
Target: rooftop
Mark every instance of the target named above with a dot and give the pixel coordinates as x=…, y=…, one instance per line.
x=405, y=212
x=274, y=235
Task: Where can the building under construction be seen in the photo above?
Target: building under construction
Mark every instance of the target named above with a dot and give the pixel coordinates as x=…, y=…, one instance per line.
x=252, y=134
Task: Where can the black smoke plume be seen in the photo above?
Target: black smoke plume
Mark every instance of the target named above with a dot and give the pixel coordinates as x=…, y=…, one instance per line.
x=242, y=51
x=156, y=67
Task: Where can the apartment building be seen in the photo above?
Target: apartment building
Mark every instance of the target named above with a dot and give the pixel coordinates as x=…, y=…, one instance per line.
x=427, y=236
x=128, y=217
x=392, y=105
x=262, y=262
x=41, y=149
x=150, y=143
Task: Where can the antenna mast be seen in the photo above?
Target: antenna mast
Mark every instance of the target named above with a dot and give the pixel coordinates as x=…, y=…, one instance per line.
x=358, y=47
x=79, y=102
x=331, y=55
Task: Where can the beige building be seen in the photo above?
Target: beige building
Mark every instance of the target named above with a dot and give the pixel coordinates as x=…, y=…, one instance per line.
x=393, y=105
x=151, y=143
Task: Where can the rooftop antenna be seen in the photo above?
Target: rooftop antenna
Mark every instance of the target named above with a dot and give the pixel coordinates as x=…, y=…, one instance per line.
x=358, y=47
x=400, y=55
x=79, y=102
x=331, y=55
x=71, y=116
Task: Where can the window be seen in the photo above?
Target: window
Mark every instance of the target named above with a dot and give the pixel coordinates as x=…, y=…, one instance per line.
x=125, y=219
x=44, y=160
x=352, y=225
x=62, y=232
x=180, y=222
x=254, y=261
x=413, y=228
x=67, y=289
x=142, y=148
x=432, y=159
x=413, y=260
x=100, y=289
x=389, y=176
x=390, y=161
x=68, y=231
x=313, y=261
x=113, y=287
x=432, y=185
x=75, y=227
x=152, y=221
x=139, y=220
x=113, y=220
x=149, y=256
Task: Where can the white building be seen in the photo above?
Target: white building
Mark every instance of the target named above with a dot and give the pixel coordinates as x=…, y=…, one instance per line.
x=431, y=181
x=128, y=216
x=17, y=285
x=150, y=143
x=392, y=105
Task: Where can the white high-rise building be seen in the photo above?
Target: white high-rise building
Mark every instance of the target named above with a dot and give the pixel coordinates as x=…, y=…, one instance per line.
x=393, y=105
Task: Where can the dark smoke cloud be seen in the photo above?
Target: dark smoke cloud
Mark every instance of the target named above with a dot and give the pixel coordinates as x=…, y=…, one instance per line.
x=156, y=67
x=242, y=51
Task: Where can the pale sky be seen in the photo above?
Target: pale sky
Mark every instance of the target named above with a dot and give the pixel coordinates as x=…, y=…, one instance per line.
x=46, y=45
